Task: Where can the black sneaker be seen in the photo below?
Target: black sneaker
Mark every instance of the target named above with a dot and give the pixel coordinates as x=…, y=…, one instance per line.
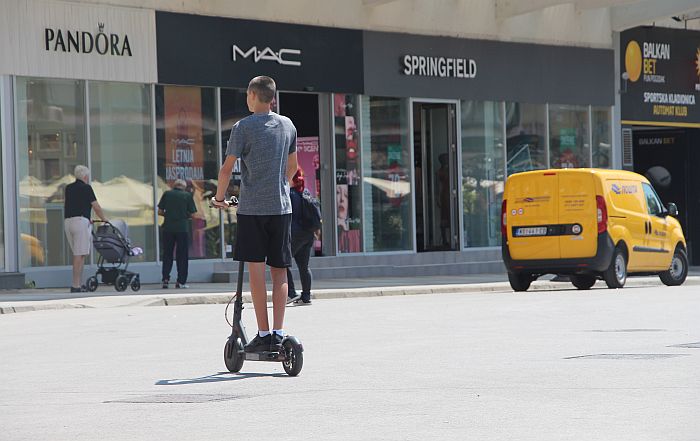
x=165, y=284
x=276, y=345
x=293, y=298
x=259, y=344
x=79, y=289
x=302, y=302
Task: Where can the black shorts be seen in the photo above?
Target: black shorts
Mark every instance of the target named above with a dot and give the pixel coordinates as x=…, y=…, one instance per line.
x=264, y=239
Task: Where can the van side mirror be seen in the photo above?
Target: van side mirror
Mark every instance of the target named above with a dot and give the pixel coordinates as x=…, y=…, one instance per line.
x=672, y=209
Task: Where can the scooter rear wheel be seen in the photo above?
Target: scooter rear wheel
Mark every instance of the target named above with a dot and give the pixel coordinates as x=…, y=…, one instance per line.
x=233, y=356
x=294, y=357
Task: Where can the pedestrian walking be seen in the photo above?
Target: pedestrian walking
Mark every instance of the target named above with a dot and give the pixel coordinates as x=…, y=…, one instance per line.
x=306, y=221
x=265, y=142
x=79, y=200
x=177, y=207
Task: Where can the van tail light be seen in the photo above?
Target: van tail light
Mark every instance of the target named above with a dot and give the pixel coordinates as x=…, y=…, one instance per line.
x=504, y=213
x=602, y=214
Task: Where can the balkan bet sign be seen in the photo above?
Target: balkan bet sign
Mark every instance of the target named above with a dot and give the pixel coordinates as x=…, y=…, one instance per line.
x=660, y=77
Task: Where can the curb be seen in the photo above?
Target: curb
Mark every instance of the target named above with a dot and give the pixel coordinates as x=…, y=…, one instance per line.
x=213, y=299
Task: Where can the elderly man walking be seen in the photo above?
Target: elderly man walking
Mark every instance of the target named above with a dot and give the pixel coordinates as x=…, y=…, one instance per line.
x=79, y=200
x=177, y=206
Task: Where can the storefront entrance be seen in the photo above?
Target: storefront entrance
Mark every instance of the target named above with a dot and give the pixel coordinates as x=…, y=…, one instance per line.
x=303, y=110
x=435, y=154
x=667, y=159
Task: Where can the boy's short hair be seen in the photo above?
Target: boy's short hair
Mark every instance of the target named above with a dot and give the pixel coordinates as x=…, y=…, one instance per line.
x=264, y=87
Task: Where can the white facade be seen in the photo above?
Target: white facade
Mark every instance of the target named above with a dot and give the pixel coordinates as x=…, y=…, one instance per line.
x=69, y=40
x=564, y=24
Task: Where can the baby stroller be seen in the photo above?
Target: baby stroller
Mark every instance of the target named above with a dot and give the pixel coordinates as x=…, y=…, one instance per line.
x=112, y=244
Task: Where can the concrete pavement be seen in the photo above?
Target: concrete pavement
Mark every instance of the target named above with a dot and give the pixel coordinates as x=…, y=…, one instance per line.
x=217, y=293
x=559, y=365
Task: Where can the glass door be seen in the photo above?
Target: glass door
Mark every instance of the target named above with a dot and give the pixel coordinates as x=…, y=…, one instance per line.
x=435, y=153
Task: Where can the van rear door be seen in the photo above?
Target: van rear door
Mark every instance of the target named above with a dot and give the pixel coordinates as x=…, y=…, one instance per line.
x=531, y=207
x=577, y=214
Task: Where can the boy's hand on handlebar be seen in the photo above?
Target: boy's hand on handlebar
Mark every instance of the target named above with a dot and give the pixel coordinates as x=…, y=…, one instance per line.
x=226, y=203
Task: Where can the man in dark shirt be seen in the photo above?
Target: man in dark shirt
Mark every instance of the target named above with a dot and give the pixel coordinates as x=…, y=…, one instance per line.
x=79, y=200
x=177, y=206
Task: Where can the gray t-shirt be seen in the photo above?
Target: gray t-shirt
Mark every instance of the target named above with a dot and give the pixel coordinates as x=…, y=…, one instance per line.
x=263, y=141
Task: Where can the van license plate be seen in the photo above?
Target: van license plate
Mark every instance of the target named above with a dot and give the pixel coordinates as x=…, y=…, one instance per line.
x=531, y=231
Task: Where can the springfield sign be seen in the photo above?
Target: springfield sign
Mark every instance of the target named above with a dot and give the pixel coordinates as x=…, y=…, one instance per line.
x=441, y=67
x=660, y=84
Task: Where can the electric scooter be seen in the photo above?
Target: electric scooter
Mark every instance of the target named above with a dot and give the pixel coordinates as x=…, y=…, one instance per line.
x=292, y=354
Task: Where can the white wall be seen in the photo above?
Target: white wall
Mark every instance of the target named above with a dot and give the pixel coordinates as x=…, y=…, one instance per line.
x=561, y=25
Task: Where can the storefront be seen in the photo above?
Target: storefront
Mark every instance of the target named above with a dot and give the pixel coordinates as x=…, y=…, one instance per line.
x=405, y=139
x=473, y=112
x=660, y=93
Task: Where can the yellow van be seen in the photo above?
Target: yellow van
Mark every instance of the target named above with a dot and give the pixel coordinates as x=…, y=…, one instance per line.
x=589, y=224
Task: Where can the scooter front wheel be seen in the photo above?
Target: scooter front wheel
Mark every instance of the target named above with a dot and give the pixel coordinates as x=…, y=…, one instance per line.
x=293, y=356
x=233, y=354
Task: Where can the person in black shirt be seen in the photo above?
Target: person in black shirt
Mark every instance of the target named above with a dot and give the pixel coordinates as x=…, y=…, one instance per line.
x=78, y=202
x=302, y=242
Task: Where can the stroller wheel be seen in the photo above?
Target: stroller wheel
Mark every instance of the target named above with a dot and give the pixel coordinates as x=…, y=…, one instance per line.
x=136, y=283
x=121, y=283
x=91, y=284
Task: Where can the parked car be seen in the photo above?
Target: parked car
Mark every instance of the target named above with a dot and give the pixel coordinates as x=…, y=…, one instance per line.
x=589, y=224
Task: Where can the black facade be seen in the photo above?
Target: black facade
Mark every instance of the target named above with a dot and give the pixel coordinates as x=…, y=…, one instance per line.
x=224, y=52
x=486, y=70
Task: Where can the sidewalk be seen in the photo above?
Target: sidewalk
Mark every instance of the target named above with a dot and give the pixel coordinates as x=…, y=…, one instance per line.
x=27, y=300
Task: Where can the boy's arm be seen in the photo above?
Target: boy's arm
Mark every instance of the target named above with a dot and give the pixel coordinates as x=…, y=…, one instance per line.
x=292, y=165
x=224, y=179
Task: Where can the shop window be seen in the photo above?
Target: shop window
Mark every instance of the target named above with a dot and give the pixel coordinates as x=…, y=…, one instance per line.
x=602, y=139
x=51, y=141
x=386, y=159
x=568, y=136
x=234, y=107
x=483, y=166
x=526, y=137
x=187, y=149
x=348, y=188
x=2, y=204
x=122, y=158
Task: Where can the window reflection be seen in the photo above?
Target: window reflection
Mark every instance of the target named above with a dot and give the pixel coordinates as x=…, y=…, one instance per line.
x=482, y=172
x=525, y=128
x=387, y=181
x=122, y=158
x=50, y=143
x=568, y=136
x=602, y=145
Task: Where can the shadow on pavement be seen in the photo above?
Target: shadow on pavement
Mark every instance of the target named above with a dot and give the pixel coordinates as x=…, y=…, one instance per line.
x=219, y=376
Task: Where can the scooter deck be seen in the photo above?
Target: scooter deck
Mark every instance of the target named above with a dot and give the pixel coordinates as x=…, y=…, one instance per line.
x=265, y=356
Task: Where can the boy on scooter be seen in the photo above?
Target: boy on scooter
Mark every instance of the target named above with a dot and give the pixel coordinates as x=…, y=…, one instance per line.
x=266, y=144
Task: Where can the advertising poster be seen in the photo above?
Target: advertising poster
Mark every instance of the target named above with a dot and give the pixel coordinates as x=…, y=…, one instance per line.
x=309, y=161
x=660, y=83
x=184, y=150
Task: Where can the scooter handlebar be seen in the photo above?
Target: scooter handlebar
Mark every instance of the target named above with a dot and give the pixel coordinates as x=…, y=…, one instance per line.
x=230, y=202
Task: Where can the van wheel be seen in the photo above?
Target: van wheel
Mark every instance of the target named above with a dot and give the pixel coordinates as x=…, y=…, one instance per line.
x=519, y=281
x=582, y=281
x=616, y=274
x=675, y=275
